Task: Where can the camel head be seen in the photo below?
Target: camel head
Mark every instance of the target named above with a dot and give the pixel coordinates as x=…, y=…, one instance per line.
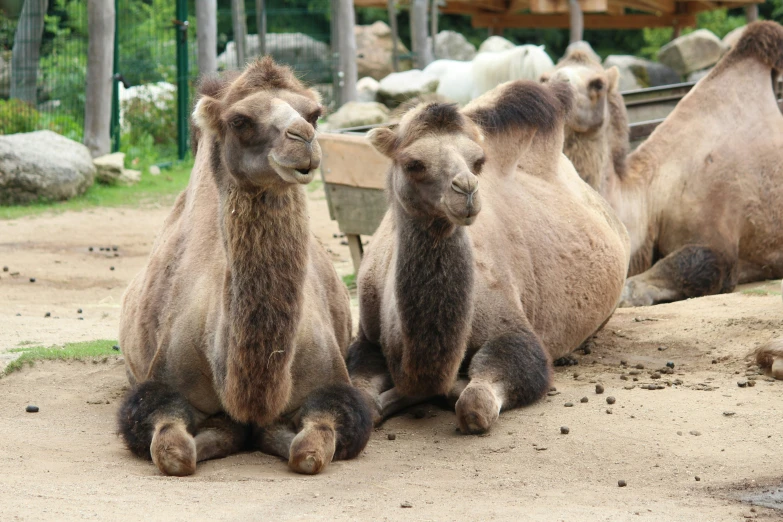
x=436, y=159
x=263, y=125
x=591, y=85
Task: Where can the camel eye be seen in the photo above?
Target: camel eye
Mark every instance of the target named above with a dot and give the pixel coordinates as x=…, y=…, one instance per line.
x=414, y=167
x=313, y=119
x=478, y=165
x=597, y=85
x=239, y=122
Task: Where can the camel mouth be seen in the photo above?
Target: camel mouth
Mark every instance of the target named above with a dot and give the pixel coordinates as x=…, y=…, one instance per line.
x=292, y=175
x=463, y=218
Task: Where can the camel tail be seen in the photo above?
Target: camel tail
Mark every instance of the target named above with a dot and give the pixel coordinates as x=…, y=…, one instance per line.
x=143, y=407
x=762, y=41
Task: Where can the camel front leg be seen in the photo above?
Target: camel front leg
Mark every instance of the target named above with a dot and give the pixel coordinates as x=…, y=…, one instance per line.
x=369, y=373
x=509, y=371
x=691, y=271
x=219, y=437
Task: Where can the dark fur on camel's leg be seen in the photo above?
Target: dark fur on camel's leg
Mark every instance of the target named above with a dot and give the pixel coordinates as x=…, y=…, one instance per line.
x=336, y=423
x=369, y=373
x=509, y=371
x=158, y=423
x=219, y=437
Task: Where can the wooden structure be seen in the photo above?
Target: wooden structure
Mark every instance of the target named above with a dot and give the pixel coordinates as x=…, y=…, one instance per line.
x=354, y=173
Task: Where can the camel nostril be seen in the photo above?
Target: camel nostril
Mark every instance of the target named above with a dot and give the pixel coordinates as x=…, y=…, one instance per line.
x=303, y=171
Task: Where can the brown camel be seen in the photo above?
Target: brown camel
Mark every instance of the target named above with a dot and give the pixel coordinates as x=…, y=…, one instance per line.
x=235, y=333
x=701, y=198
x=472, y=293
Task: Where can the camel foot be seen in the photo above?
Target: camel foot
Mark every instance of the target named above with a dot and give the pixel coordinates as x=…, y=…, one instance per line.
x=477, y=409
x=173, y=449
x=313, y=448
x=777, y=368
x=636, y=293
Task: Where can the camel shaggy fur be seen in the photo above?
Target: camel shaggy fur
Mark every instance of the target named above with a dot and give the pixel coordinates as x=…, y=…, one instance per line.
x=493, y=259
x=234, y=334
x=701, y=198
x=770, y=356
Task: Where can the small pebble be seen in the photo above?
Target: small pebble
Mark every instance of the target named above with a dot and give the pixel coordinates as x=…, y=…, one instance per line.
x=18, y=315
x=115, y=248
x=661, y=348
x=640, y=366
x=5, y=269
x=48, y=314
x=31, y=409
x=564, y=430
x=670, y=364
x=634, y=372
x=406, y=504
x=751, y=383
x=101, y=249
x=79, y=311
x=91, y=249
x=599, y=389
x=81, y=318
x=623, y=362
x=584, y=399
x=698, y=478
x=568, y=404
x=655, y=375
x=111, y=268
x=695, y=433
x=742, y=384
x=32, y=280
x=622, y=483
x=610, y=400
x=391, y=436
x=728, y=413
x=679, y=433
x=609, y=411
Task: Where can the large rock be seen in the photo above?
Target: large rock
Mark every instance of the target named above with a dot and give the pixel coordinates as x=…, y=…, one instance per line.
x=583, y=46
x=356, y=114
x=43, y=165
x=399, y=87
x=374, y=51
x=367, y=89
x=637, y=73
x=692, y=52
x=110, y=170
x=731, y=39
x=451, y=45
x=495, y=44
x=306, y=55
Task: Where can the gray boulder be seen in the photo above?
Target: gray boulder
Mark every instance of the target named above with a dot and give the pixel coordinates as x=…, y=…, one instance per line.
x=495, y=44
x=374, y=51
x=695, y=76
x=356, y=114
x=43, y=165
x=306, y=55
x=694, y=51
x=110, y=170
x=367, y=89
x=451, y=45
x=637, y=73
x=399, y=87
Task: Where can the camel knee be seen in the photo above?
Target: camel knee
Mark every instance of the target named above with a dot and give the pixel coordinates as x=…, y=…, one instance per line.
x=173, y=449
x=478, y=407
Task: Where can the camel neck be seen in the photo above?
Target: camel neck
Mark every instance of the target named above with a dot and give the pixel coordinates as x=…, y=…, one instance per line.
x=434, y=291
x=589, y=152
x=266, y=240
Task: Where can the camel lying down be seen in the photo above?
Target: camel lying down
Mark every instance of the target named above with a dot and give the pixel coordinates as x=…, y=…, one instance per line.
x=235, y=333
x=703, y=195
x=493, y=259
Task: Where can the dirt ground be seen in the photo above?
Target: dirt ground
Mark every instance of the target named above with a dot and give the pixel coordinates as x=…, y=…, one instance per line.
x=697, y=449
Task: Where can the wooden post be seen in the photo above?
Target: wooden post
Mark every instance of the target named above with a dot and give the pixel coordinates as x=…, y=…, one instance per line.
x=239, y=22
x=677, y=32
x=206, y=25
x=434, y=25
x=98, y=91
x=261, y=26
x=577, y=20
x=751, y=12
x=344, y=20
x=357, y=251
x=394, y=34
x=494, y=31
x=27, y=50
x=419, y=33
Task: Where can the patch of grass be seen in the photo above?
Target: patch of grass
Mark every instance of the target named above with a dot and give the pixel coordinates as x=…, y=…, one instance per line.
x=69, y=352
x=314, y=185
x=350, y=281
x=759, y=291
x=161, y=189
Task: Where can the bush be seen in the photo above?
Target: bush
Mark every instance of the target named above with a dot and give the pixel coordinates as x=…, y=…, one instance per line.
x=17, y=116
x=149, y=119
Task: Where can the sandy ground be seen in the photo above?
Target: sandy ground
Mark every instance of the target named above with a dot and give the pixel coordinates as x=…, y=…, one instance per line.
x=66, y=462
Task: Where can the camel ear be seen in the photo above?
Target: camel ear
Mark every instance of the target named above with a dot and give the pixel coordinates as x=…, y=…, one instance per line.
x=613, y=77
x=383, y=139
x=206, y=115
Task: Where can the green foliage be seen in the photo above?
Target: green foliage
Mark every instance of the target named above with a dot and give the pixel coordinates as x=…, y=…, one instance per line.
x=149, y=123
x=349, y=280
x=69, y=352
x=16, y=116
x=721, y=22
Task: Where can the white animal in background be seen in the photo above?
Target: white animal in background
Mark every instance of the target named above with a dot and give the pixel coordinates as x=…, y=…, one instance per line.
x=495, y=44
x=464, y=81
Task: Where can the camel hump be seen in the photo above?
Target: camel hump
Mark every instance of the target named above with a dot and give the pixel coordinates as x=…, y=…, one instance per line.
x=522, y=104
x=763, y=41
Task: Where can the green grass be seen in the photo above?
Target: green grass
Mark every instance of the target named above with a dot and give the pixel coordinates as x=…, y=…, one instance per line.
x=150, y=190
x=69, y=352
x=759, y=291
x=350, y=281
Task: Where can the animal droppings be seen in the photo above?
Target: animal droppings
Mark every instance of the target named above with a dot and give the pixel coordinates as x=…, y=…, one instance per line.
x=568, y=404
x=48, y=314
x=610, y=400
x=116, y=348
x=79, y=311
x=661, y=348
x=640, y=366
x=622, y=483
x=32, y=280
x=695, y=433
x=391, y=436
x=670, y=364
x=751, y=383
x=90, y=249
x=698, y=478
x=609, y=411
x=111, y=268
x=81, y=318
x=655, y=375
x=742, y=384
x=5, y=269
x=599, y=389
x=584, y=399
x=406, y=504
x=564, y=430
x=728, y=413
x=31, y=409
x=623, y=362
x=115, y=248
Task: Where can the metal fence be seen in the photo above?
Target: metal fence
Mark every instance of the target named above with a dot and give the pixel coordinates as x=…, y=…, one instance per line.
x=155, y=65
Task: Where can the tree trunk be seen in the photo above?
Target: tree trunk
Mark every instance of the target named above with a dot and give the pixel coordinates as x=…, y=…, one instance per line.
x=240, y=30
x=100, y=62
x=434, y=26
x=206, y=25
x=577, y=20
x=26, y=51
x=751, y=13
x=345, y=19
x=419, y=33
x=261, y=26
x=394, y=34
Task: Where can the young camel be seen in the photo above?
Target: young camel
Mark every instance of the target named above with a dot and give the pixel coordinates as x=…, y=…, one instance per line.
x=234, y=335
x=701, y=198
x=493, y=284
